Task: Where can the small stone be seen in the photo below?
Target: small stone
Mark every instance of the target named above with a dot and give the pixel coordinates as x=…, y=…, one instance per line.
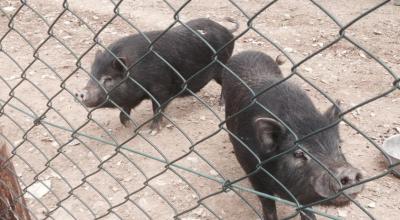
x=17, y=142
x=246, y=40
x=288, y=50
x=280, y=59
x=362, y=54
x=74, y=143
x=287, y=17
x=159, y=182
x=47, y=139
x=55, y=175
x=192, y=159
x=9, y=9
x=143, y=202
x=128, y=179
x=11, y=78
x=371, y=205
x=213, y=172
x=324, y=81
x=153, y=132
x=203, y=118
x=308, y=69
x=342, y=213
x=48, y=77
x=377, y=32
x=105, y=157
x=169, y=126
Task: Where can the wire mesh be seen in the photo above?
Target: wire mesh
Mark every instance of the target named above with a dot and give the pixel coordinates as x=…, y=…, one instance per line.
x=77, y=163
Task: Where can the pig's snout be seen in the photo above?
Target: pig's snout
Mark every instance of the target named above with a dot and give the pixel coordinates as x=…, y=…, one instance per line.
x=348, y=176
x=90, y=98
x=82, y=95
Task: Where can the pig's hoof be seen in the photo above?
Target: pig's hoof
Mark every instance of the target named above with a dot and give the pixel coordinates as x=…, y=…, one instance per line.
x=128, y=124
x=124, y=119
x=125, y=123
x=307, y=216
x=155, y=128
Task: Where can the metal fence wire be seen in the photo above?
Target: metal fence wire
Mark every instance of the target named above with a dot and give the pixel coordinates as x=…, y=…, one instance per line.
x=73, y=164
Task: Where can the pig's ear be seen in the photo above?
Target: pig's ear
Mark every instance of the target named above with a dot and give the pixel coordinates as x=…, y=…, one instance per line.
x=117, y=64
x=268, y=131
x=321, y=186
x=333, y=112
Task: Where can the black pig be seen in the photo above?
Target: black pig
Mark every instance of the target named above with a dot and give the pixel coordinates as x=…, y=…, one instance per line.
x=266, y=136
x=180, y=47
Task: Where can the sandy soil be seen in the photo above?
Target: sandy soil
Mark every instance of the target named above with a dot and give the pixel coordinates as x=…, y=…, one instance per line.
x=87, y=178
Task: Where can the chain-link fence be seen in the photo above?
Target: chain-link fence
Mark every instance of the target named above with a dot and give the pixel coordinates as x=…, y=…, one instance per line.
x=75, y=162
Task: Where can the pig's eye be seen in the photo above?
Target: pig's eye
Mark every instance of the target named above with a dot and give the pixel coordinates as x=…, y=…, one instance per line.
x=106, y=80
x=299, y=154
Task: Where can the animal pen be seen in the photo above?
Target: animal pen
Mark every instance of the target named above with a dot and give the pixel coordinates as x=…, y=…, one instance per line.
x=74, y=162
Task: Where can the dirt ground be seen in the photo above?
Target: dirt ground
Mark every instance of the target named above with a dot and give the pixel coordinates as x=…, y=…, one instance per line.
x=81, y=186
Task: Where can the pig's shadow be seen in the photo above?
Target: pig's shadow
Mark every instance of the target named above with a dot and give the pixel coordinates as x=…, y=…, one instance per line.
x=178, y=110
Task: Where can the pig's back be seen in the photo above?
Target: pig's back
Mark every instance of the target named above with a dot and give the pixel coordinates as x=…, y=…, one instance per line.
x=251, y=71
x=286, y=100
x=182, y=49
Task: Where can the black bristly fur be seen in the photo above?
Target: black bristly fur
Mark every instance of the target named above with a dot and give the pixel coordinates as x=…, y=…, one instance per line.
x=179, y=47
x=266, y=137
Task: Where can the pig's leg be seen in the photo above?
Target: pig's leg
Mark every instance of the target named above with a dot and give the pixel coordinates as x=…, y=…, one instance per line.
x=218, y=79
x=307, y=216
x=269, y=209
x=221, y=100
x=268, y=205
x=123, y=118
x=156, y=124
